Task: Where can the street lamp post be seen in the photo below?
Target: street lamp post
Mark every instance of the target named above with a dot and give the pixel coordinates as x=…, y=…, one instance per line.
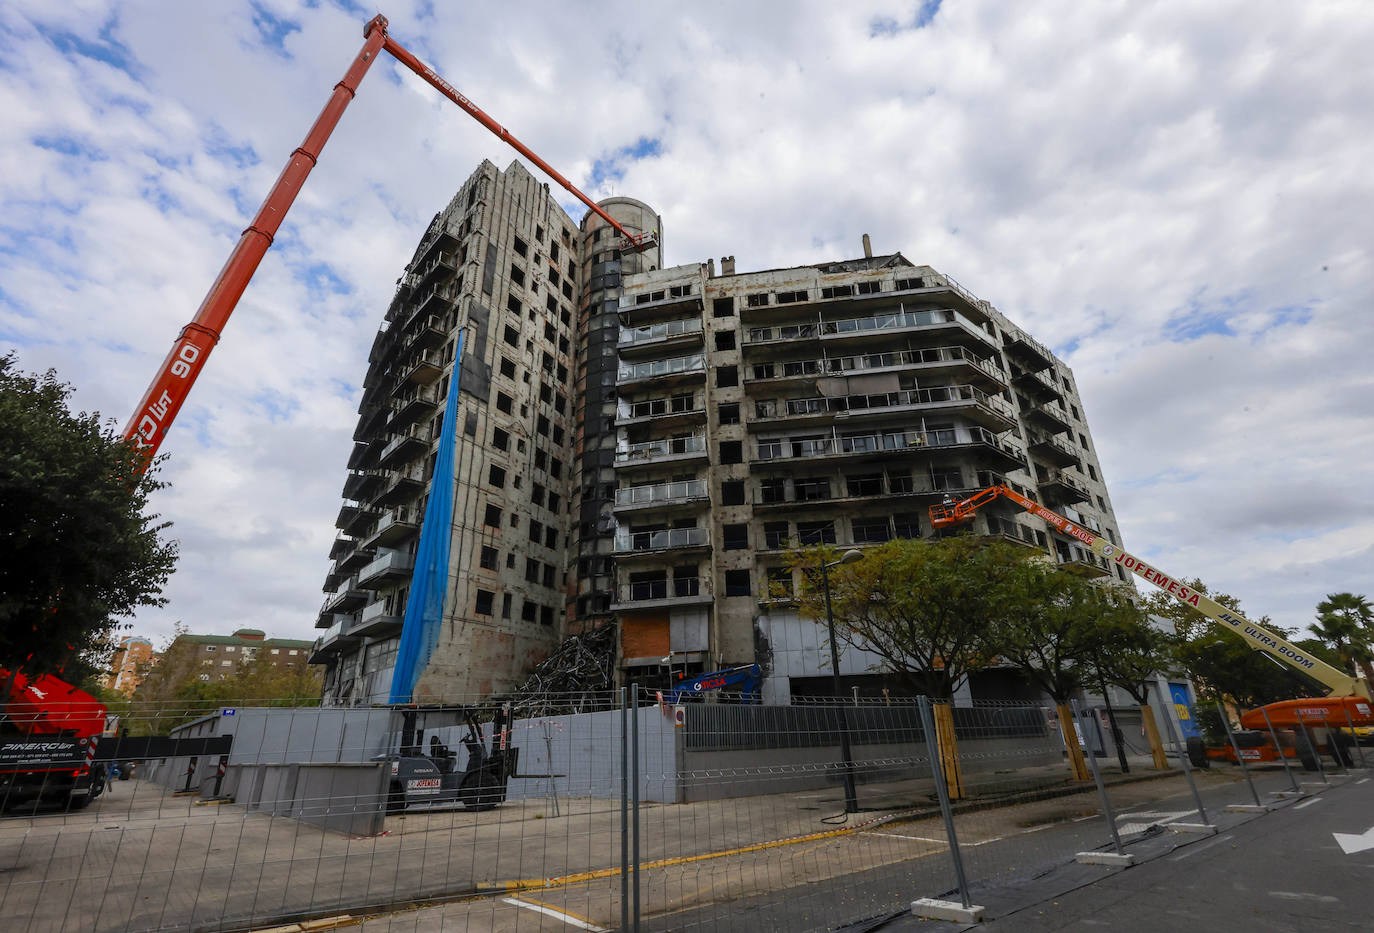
x=851, y=798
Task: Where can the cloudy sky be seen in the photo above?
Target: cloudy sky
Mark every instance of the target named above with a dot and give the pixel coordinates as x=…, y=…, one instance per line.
x=1177, y=197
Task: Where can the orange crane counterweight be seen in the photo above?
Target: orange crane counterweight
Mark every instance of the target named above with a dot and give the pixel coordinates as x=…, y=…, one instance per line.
x=179, y=371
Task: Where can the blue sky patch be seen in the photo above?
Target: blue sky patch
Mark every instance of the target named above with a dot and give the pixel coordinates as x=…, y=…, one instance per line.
x=611, y=168
x=273, y=29
x=889, y=26
x=105, y=48
x=69, y=145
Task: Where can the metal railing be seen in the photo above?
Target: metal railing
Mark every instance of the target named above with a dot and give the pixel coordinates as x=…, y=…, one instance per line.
x=661, y=492
x=788, y=448
x=661, y=406
x=667, y=447
x=664, y=589
x=871, y=361
x=662, y=539
x=629, y=336
x=899, y=399
x=632, y=372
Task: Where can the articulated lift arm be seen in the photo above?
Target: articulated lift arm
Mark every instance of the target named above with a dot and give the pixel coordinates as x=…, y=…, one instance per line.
x=154, y=415
x=1340, y=683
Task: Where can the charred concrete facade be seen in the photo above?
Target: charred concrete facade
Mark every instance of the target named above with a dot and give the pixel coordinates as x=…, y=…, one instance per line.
x=831, y=403
x=500, y=266
x=640, y=445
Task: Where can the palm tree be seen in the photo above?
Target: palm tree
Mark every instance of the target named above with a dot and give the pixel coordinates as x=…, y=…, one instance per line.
x=1346, y=620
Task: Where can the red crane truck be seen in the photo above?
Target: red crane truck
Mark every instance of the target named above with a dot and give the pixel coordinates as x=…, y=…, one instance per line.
x=48, y=736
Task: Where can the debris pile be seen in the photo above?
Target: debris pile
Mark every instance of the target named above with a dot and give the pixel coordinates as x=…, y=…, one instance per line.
x=579, y=677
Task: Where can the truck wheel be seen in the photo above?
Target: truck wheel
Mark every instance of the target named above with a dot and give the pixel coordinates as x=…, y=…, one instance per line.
x=79, y=803
x=396, y=798
x=1197, y=753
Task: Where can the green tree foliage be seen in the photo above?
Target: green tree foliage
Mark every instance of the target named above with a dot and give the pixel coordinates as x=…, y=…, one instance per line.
x=926, y=608
x=1223, y=664
x=79, y=550
x=1128, y=650
x=172, y=691
x=1051, y=626
x=1345, y=621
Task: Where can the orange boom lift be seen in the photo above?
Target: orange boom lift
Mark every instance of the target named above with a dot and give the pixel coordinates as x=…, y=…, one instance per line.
x=164, y=398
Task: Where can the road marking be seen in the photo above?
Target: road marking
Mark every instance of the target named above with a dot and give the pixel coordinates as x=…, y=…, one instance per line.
x=917, y=838
x=1194, y=850
x=1351, y=843
x=1299, y=896
x=1307, y=803
x=1362, y=780
x=566, y=917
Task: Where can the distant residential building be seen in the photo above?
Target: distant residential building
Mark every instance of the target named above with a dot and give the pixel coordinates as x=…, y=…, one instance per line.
x=130, y=663
x=221, y=655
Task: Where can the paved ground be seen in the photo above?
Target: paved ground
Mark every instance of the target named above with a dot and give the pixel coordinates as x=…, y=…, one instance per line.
x=143, y=860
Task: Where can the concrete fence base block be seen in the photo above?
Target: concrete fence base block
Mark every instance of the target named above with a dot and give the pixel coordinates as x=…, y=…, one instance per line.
x=1104, y=858
x=1313, y=784
x=1247, y=808
x=1202, y=829
x=1287, y=794
x=932, y=909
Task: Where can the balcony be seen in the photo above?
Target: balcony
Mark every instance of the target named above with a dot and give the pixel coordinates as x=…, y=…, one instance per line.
x=402, y=487
x=424, y=332
x=361, y=484
x=413, y=404
x=346, y=598
x=440, y=266
x=436, y=300
x=363, y=457
x=443, y=240
x=790, y=498
x=1050, y=417
x=1081, y=561
x=342, y=545
x=1052, y=449
x=951, y=362
x=657, y=594
x=404, y=447
x=1037, y=385
x=888, y=444
x=1015, y=532
x=1029, y=352
x=370, y=419
x=392, y=567
x=973, y=403
x=644, y=307
x=422, y=368
x=353, y=561
x=675, y=335
x=353, y=519
x=884, y=326
x=335, y=640
x=666, y=450
x=1059, y=488
x=663, y=412
x=394, y=526
x=660, y=495
x=667, y=539
x=675, y=371
x=377, y=619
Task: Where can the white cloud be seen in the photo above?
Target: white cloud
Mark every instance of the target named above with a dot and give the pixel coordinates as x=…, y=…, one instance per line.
x=1177, y=196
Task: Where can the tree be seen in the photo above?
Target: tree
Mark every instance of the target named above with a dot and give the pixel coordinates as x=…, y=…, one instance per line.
x=79, y=549
x=1050, y=630
x=1222, y=664
x=1129, y=652
x=925, y=607
x=1346, y=622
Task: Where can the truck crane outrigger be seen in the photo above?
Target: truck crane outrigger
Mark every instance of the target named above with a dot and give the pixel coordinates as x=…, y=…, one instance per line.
x=1338, y=682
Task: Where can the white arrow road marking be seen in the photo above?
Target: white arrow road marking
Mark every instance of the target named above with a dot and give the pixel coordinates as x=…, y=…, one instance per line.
x=1350, y=844
x=570, y=919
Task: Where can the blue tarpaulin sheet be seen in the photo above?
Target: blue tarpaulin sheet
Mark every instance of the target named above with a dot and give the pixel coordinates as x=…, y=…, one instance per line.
x=429, y=579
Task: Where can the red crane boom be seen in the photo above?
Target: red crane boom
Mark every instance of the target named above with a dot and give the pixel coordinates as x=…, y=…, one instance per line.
x=179, y=371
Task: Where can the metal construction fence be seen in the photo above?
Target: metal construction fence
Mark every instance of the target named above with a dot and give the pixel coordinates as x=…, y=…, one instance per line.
x=627, y=814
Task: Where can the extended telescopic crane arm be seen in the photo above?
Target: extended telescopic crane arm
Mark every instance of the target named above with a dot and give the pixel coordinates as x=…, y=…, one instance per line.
x=1340, y=683
x=164, y=398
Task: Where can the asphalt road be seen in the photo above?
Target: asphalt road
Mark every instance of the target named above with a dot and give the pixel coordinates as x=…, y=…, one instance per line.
x=1283, y=872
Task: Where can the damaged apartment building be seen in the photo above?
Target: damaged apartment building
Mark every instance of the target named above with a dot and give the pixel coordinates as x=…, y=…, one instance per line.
x=639, y=446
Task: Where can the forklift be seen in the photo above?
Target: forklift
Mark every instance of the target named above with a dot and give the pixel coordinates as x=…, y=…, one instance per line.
x=432, y=776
